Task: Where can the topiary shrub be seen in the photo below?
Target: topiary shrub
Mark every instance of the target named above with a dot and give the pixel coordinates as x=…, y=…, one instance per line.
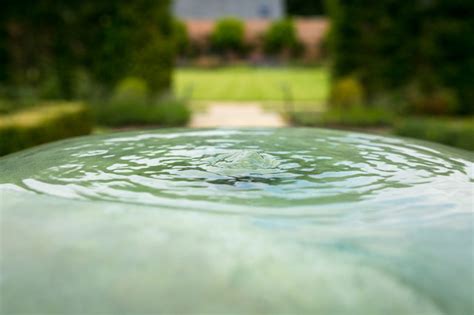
x=228, y=36
x=131, y=89
x=346, y=93
x=42, y=124
x=281, y=38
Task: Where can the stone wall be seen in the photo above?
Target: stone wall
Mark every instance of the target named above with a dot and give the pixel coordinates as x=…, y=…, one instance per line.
x=310, y=31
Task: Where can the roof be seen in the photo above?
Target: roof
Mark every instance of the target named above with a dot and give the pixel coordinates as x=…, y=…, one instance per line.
x=215, y=9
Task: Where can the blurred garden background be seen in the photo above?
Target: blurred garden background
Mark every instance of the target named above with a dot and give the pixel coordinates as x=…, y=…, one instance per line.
x=70, y=68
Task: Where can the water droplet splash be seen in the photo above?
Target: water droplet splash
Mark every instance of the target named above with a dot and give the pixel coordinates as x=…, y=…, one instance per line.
x=243, y=163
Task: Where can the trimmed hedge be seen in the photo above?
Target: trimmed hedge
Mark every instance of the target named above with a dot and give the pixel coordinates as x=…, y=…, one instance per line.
x=49, y=122
x=457, y=132
x=354, y=116
x=127, y=112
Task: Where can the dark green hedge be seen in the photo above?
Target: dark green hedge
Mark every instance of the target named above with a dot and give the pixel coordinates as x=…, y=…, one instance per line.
x=390, y=44
x=125, y=113
x=43, y=124
x=457, y=132
x=351, y=117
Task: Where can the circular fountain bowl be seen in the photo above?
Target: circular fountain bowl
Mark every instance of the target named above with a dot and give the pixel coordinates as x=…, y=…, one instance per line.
x=241, y=221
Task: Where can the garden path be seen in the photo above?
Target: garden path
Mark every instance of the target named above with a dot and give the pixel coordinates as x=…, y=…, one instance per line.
x=235, y=114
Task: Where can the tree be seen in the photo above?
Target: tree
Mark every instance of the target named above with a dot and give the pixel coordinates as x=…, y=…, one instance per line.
x=305, y=7
x=389, y=45
x=49, y=40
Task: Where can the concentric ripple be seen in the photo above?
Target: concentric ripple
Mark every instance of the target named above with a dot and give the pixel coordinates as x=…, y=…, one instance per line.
x=280, y=172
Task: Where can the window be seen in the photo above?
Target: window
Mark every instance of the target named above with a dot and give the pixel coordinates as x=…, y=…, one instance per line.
x=264, y=10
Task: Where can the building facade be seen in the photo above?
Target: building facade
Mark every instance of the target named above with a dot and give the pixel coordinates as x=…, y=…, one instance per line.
x=215, y=9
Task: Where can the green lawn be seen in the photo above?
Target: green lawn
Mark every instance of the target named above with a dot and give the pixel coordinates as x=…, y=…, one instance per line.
x=307, y=85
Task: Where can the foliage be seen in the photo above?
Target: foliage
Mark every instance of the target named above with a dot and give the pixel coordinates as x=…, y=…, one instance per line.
x=181, y=37
x=346, y=93
x=324, y=46
x=228, y=36
x=431, y=101
x=456, y=132
x=138, y=42
x=123, y=112
x=41, y=124
x=281, y=37
x=131, y=89
x=51, y=41
x=354, y=116
x=390, y=43
x=305, y=7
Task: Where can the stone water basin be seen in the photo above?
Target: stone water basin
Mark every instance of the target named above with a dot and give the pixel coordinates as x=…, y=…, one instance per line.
x=237, y=221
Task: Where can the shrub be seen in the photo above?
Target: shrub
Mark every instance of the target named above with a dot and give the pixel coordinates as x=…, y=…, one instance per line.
x=228, y=36
x=431, y=100
x=354, y=116
x=131, y=89
x=42, y=124
x=346, y=93
x=281, y=38
x=128, y=112
x=457, y=132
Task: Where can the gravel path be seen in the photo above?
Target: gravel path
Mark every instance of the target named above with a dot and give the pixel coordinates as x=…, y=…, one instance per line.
x=236, y=115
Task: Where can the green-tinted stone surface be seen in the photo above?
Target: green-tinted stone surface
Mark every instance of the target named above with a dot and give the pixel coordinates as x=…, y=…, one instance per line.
x=241, y=221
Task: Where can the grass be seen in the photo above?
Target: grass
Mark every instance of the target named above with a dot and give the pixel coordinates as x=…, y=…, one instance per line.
x=307, y=85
